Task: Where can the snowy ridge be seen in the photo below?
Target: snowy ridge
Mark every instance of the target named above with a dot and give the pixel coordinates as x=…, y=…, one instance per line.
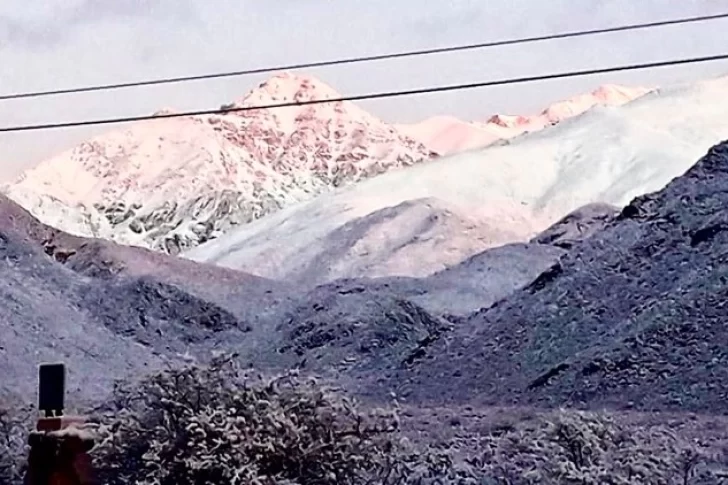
x=348, y=239
x=171, y=184
x=448, y=135
x=516, y=188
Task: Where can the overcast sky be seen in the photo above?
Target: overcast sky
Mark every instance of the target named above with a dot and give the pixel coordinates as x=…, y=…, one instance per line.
x=54, y=44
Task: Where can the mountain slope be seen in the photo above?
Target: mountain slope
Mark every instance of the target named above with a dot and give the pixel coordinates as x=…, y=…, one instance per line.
x=85, y=299
x=171, y=184
x=415, y=238
x=517, y=188
x=345, y=235
x=41, y=320
x=448, y=135
x=633, y=317
x=161, y=307
x=356, y=328
x=175, y=183
x=111, y=312
x=578, y=225
x=477, y=282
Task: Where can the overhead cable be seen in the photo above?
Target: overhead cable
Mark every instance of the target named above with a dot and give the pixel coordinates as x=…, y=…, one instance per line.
x=361, y=59
x=372, y=96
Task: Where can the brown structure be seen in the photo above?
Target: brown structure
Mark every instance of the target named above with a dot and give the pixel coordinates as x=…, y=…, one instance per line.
x=59, y=453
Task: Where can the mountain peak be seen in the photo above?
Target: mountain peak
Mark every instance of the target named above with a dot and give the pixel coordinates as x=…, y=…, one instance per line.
x=606, y=94
x=508, y=121
x=288, y=87
x=165, y=111
x=177, y=183
x=617, y=94
x=448, y=135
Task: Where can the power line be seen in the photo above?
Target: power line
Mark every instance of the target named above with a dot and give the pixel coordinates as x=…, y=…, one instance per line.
x=370, y=96
x=354, y=60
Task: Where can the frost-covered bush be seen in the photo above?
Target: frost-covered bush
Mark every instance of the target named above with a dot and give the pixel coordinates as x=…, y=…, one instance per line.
x=215, y=425
x=212, y=425
x=582, y=448
x=14, y=426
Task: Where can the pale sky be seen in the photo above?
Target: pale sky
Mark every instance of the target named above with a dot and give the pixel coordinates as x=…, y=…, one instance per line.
x=53, y=44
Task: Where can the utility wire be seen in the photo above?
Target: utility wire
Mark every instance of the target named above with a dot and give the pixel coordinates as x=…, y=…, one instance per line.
x=354, y=60
x=370, y=96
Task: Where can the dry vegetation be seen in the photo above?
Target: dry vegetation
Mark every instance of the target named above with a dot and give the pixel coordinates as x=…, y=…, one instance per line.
x=217, y=425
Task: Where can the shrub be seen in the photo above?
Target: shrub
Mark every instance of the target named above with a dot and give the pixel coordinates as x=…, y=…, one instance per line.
x=216, y=425
x=213, y=425
x=583, y=448
x=13, y=430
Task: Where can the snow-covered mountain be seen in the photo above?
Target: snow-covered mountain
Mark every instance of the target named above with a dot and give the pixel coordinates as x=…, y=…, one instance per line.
x=515, y=187
x=171, y=184
x=448, y=135
x=415, y=238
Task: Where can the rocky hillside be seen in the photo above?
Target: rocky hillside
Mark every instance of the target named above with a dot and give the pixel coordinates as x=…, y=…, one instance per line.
x=172, y=184
x=43, y=319
x=107, y=311
x=354, y=328
x=633, y=317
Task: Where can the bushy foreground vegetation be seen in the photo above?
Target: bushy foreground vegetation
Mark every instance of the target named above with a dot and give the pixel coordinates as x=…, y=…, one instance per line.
x=588, y=448
x=13, y=430
x=215, y=425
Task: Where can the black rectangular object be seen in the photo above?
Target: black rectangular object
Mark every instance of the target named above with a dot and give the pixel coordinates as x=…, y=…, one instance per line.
x=51, y=388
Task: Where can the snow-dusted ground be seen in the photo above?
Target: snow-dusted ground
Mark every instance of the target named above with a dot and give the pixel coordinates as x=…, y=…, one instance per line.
x=119, y=311
x=517, y=188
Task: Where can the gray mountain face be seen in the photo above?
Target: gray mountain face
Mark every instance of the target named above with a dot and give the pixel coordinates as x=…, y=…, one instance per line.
x=633, y=317
x=493, y=274
x=348, y=328
x=459, y=290
x=108, y=312
x=43, y=319
x=578, y=225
